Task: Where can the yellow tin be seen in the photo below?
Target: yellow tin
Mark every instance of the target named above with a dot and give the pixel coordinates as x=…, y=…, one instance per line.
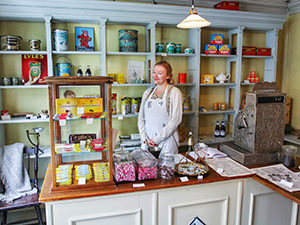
x=207, y=79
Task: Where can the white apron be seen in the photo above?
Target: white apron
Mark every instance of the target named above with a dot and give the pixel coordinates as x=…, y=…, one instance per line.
x=156, y=117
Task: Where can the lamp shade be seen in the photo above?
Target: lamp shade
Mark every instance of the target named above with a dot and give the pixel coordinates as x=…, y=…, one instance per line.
x=193, y=20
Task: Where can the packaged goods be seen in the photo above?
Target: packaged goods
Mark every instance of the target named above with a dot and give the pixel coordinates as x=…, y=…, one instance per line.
x=101, y=171
x=166, y=166
x=182, y=78
x=249, y=50
x=98, y=145
x=89, y=105
x=188, y=51
x=124, y=166
x=217, y=39
x=229, y=5
x=224, y=50
x=114, y=104
x=146, y=164
x=207, y=79
x=160, y=47
x=170, y=47
x=211, y=49
x=64, y=174
x=135, y=106
x=178, y=48
x=66, y=106
x=83, y=170
x=264, y=51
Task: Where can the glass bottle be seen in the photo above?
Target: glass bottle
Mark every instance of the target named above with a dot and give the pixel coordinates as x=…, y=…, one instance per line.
x=79, y=71
x=88, y=72
x=166, y=165
x=223, y=130
x=114, y=103
x=217, y=129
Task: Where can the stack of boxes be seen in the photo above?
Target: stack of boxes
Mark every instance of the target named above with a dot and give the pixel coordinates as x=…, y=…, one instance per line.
x=217, y=46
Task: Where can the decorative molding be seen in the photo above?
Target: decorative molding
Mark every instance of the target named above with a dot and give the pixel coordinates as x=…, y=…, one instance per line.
x=224, y=200
x=127, y=12
x=82, y=218
x=294, y=216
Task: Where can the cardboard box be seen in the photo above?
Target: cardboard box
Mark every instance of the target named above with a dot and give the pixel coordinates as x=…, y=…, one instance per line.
x=264, y=51
x=66, y=105
x=249, y=50
x=89, y=105
x=207, y=79
x=229, y=5
x=211, y=49
x=217, y=39
x=224, y=50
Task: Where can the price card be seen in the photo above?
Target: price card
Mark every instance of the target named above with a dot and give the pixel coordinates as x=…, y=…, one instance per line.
x=89, y=121
x=184, y=179
x=200, y=177
x=62, y=123
x=164, y=54
x=81, y=180
x=286, y=183
x=138, y=185
x=120, y=117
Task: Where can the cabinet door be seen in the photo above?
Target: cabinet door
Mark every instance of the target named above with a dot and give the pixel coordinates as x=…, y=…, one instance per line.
x=214, y=204
x=261, y=205
x=113, y=210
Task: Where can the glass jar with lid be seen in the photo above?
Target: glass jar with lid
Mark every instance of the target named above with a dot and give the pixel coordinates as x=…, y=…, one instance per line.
x=288, y=155
x=166, y=165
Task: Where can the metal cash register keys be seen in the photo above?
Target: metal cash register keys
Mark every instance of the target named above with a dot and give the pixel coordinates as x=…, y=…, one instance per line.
x=259, y=127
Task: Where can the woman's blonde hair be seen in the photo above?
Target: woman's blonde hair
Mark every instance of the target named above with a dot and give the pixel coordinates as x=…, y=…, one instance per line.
x=168, y=68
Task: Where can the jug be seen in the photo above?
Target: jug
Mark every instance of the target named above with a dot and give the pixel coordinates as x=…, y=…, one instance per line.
x=222, y=77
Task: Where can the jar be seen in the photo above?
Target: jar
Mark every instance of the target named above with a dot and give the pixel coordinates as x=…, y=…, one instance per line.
x=34, y=45
x=178, y=48
x=170, y=47
x=15, y=80
x=166, y=166
x=160, y=47
x=7, y=81
x=288, y=155
x=114, y=104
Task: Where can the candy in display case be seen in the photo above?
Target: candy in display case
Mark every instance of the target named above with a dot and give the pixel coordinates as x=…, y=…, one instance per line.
x=81, y=138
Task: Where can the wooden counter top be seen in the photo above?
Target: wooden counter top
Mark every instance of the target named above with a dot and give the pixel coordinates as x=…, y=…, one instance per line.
x=126, y=187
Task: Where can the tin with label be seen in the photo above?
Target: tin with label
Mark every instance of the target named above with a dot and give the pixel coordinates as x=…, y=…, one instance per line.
x=178, y=48
x=15, y=80
x=160, y=47
x=34, y=45
x=170, y=47
x=7, y=81
x=188, y=51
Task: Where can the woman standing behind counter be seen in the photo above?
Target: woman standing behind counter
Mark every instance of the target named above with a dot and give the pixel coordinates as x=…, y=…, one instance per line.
x=161, y=111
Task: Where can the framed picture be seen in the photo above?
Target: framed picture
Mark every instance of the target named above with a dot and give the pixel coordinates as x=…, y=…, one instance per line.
x=84, y=39
x=135, y=71
x=197, y=221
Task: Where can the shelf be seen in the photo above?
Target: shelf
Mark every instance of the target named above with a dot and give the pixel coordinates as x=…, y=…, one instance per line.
x=175, y=54
x=257, y=56
x=23, y=86
x=247, y=84
x=188, y=113
x=210, y=139
x=219, y=56
x=120, y=116
x=185, y=85
x=132, y=85
x=77, y=52
x=23, y=120
x=129, y=53
x=79, y=153
x=210, y=111
x=23, y=52
x=217, y=84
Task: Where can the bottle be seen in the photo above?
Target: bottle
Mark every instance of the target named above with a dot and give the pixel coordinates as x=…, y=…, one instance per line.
x=222, y=131
x=79, y=72
x=114, y=103
x=217, y=130
x=88, y=72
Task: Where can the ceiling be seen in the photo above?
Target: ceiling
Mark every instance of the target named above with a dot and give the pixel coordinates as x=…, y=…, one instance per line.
x=270, y=6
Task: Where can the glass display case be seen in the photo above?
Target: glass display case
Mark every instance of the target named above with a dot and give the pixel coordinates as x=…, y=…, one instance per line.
x=80, y=132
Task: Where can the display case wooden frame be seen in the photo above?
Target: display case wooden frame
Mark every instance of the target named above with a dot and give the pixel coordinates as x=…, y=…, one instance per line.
x=105, y=83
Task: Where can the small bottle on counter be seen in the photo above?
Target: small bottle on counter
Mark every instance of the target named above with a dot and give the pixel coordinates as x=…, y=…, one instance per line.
x=79, y=72
x=88, y=72
x=217, y=129
x=223, y=130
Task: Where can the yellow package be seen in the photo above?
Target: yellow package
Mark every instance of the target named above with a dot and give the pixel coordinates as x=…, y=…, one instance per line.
x=66, y=105
x=207, y=79
x=89, y=105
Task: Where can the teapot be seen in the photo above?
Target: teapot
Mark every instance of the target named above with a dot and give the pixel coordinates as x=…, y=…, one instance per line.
x=222, y=77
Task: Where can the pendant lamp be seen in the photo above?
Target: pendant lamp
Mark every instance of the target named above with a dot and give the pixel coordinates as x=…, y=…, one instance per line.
x=193, y=20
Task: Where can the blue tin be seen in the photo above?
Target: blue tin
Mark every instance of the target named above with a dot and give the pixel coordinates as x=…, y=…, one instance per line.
x=160, y=47
x=170, y=47
x=178, y=48
x=128, y=40
x=63, y=69
x=60, y=40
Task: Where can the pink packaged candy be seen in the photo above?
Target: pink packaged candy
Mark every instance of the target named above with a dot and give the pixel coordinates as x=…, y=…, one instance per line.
x=146, y=163
x=124, y=167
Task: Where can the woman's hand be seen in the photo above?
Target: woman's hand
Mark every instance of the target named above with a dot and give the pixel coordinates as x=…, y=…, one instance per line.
x=151, y=143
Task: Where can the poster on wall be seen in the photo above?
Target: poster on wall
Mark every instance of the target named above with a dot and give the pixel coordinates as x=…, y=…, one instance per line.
x=34, y=69
x=84, y=39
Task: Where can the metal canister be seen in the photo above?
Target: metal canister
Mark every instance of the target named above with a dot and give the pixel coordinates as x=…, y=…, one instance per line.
x=60, y=40
x=160, y=47
x=134, y=106
x=6, y=81
x=15, y=80
x=125, y=105
x=178, y=48
x=170, y=47
x=188, y=50
x=34, y=45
